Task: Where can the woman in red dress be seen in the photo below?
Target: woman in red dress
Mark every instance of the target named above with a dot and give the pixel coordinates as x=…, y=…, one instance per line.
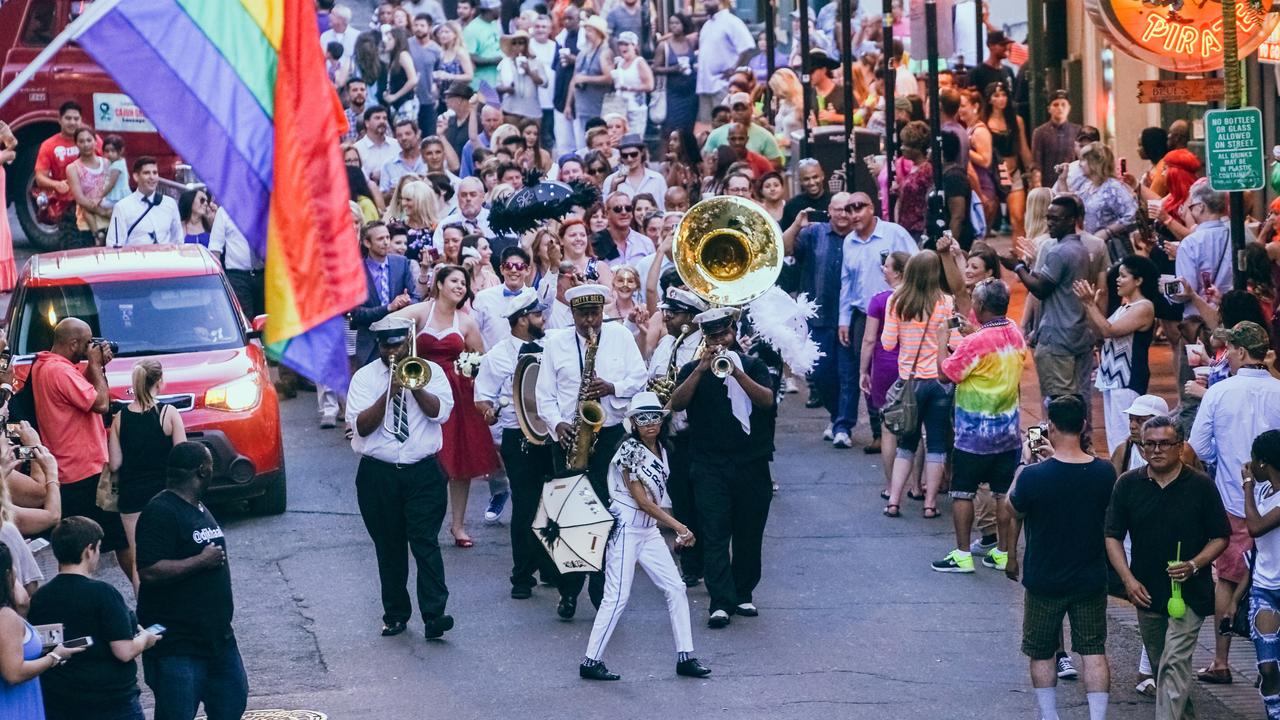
x=444, y=333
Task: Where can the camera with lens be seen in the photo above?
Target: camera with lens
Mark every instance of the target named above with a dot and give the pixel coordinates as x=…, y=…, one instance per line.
x=114, y=347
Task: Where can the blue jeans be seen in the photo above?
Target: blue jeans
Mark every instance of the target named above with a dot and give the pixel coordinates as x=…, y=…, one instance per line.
x=933, y=411
x=836, y=372
x=181, y=682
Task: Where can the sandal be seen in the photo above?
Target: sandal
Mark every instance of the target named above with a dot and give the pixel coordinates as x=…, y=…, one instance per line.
x=919, y=497
x=931, y=513
x=462, y=542
x=892, y=511
x=884, y=495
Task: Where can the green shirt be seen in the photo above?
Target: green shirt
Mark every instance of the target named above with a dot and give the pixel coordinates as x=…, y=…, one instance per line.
x=758, y=140
x=483, y=40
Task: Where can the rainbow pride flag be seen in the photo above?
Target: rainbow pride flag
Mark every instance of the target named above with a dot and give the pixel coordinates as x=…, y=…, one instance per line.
x=238, y=89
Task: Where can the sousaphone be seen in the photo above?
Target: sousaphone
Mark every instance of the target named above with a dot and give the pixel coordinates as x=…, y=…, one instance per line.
x=525, y=401
x=728, y=250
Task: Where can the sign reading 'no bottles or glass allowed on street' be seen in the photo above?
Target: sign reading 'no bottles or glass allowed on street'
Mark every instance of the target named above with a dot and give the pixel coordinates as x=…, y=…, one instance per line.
x=1233, y=148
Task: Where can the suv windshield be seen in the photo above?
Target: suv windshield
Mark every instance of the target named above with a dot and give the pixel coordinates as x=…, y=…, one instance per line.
x=146, y=317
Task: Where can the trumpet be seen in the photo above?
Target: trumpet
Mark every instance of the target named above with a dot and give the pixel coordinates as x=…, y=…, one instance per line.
x=721, y=363
x=411, y=372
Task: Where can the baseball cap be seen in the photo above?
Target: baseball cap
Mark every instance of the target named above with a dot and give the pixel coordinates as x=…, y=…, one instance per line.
x=1148, y=406
x=1251, y=336
x=997, y=37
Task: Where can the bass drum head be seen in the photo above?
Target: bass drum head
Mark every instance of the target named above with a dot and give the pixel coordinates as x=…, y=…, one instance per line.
x=524, y=397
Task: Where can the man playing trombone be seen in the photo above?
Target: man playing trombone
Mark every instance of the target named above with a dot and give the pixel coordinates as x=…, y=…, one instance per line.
x=396, y=405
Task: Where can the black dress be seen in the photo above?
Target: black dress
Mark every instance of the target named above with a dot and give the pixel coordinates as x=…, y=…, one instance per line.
x=144, y=448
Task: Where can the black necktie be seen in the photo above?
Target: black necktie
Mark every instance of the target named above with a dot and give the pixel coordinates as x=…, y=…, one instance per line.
x=530, y=348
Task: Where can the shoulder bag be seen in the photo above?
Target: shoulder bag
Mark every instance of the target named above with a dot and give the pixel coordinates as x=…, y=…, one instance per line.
x=900, y=414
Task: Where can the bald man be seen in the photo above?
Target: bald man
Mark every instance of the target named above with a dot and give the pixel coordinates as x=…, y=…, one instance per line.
x=470, y=212
x=70, y=404
x=861, y=279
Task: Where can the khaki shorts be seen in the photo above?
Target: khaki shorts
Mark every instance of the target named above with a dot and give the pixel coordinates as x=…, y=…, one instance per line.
x=1061, y=373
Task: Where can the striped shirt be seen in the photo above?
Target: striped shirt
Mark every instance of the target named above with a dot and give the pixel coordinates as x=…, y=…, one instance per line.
x=915, y=338
x=986, y=368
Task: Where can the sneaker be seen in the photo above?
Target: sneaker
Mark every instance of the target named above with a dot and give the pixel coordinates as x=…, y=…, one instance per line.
x=841, y=440
x=955, y=562
x=1146, y=686
x=789, y=387
x=496, y=504
x=328, y=422
x=980, y=547
x=996, y=560
x=826, y=434
x=1066, y=668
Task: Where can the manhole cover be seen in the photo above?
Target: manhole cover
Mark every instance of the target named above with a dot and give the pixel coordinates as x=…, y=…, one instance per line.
x=279, y=715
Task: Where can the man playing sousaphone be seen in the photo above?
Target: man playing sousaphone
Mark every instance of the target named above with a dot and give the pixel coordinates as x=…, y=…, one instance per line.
x=598, y=366
x=731, y=412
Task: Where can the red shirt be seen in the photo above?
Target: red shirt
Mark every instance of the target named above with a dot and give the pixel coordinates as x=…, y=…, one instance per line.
x=55, y=154
x=760, y=165
x=69, y=427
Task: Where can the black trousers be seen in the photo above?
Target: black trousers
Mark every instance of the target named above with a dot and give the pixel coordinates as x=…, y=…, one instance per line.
x=528, y=469
x=249, y=287
x=683, y=506
x=403, y=507
x=733, y=499
x=607, y=442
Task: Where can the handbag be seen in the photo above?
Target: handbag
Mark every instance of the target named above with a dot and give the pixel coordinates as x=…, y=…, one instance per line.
x=900, y=413
x=658, y=102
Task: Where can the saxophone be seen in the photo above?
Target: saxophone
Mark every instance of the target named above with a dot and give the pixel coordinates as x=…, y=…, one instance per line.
x=665, y=385
x=590, y=414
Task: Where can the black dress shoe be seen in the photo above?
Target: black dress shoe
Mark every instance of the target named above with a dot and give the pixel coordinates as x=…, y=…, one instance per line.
x=521, y=592
x=719, y=619
x=436, y=627
x=814, y=401
x=690, y=580
x=567, y=607
x=597, y=672
x=746, y=610
x=395, y=627
x=692, y=668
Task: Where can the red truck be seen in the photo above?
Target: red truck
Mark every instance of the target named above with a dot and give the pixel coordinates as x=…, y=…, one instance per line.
x=26, y=27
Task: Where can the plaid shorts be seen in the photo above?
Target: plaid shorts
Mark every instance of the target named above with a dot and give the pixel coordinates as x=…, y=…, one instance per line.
x=1042, y=623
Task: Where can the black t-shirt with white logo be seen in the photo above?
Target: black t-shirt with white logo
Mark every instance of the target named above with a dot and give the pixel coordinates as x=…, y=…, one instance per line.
x=94, y=681
x=196, y=608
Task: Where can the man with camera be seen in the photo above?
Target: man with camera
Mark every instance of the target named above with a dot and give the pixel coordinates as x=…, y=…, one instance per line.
x=69, y=405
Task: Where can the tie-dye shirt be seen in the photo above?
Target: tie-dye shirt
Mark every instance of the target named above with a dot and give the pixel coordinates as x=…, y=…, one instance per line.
x=986, y=368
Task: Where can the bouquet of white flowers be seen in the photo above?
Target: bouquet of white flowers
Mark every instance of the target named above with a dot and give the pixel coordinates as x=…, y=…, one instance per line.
x=467, y=364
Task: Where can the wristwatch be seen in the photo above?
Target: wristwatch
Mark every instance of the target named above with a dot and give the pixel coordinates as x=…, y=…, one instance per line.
x=1020, y=266
x=1194, y=568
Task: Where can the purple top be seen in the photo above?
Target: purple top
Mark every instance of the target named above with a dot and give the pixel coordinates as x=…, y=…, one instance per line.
x=884, y=363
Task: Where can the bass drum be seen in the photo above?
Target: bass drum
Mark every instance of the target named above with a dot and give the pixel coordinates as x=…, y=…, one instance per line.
x=524, y=399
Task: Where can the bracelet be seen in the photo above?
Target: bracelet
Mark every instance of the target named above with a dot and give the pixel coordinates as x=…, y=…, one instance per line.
x=57, y=659
x=1194, y=568
x=1019, y=267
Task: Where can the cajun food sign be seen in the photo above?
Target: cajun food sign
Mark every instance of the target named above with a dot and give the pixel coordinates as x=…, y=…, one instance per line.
x=1181, y=35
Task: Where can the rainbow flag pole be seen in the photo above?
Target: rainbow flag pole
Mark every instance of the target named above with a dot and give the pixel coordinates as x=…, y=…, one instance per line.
x=238, y=89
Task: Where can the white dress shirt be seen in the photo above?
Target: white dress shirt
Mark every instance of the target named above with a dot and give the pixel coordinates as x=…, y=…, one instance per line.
x=226, y=238
x=644, y=265
x=454, y=217
x=161, y=226
x=1232, y=413
x=487, y=308
x=661, y=359
x=721, y=41
x=495, y=377
x=639, y=246
x=347, y=38
x=558, y=316
x=374, y=155
x=618, y=361
x=368, y=386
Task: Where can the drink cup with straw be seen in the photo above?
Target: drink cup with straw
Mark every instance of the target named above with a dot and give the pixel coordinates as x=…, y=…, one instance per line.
x=1177, y=607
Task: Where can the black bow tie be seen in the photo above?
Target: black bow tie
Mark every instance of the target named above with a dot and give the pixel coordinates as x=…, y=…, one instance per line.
x=529, y=348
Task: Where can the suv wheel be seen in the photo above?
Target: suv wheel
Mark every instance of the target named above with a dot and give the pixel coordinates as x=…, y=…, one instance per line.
x=42, y=237
x=274, y=500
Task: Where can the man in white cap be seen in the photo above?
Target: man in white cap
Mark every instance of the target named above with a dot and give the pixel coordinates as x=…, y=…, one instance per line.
x=731, y=425
x=401, y=491
x=759, y=140
x=528, y=465
x=678, y=310
x=618, y=374
x=1126, y=456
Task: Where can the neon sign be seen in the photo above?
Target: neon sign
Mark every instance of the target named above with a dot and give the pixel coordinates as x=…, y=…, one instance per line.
x=1181, y=35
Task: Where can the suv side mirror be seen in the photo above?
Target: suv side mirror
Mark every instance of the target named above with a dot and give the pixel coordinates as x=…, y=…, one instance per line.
x=256, y=327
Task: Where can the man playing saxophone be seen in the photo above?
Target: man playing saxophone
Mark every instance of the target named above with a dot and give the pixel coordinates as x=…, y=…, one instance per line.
x=683, y=336
x=592, y=362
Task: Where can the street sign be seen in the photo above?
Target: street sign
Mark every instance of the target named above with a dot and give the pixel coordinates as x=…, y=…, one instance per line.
x=1233, y=148
x=1182, y=90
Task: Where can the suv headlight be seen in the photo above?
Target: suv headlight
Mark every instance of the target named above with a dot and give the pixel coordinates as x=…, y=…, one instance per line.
x=237, y=395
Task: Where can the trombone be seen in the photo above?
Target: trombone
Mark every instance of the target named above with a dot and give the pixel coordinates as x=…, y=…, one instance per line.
x=411, y=372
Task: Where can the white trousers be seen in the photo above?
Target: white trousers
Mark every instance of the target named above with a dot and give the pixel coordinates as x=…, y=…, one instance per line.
x=327, y=401
x=566, y=139
x=1114, y=403
x=646, y=548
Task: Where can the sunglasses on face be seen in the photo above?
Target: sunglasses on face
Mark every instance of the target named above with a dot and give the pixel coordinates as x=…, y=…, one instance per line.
x=514, y=266
x=597, y=170
x=629, y=154
x=855, y=207
x=621, y=209
x=646, y=419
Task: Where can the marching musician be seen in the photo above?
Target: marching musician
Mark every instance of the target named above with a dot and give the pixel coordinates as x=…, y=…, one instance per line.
x=678, y=310
x=528, y=465
x=638, y=480
x=619, y=373
x=731, y=424
x=400, y=488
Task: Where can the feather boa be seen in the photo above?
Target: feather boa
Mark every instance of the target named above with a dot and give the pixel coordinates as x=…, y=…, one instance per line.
x=783, y=323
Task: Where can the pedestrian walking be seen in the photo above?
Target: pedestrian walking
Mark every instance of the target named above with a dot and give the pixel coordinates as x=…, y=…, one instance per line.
x=1261, y=481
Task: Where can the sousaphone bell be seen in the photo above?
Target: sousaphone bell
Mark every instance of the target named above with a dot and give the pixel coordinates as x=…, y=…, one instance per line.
x=728, y=250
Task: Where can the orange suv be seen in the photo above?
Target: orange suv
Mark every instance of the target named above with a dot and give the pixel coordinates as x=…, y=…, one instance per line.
x=171, y=303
